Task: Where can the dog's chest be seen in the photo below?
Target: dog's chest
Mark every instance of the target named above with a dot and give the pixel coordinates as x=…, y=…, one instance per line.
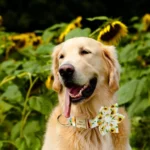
x=89, y=139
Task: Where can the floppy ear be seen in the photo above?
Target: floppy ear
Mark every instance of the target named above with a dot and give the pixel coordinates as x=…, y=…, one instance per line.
x=56, y=83
x=110, y=57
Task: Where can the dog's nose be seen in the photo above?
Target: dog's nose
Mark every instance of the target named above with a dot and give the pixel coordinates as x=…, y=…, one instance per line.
x=66, y=71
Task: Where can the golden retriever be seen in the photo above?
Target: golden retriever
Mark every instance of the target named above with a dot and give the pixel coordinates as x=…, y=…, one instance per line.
x=86, y=77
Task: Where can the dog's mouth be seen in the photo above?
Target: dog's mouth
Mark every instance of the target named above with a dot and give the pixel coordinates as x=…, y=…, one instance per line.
x=77, y=93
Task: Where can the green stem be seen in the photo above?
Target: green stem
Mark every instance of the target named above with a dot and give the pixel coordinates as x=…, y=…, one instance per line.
x=9, y=78
x=24, y=121
x=149, y=96
x=94, y=32
x=24, y=115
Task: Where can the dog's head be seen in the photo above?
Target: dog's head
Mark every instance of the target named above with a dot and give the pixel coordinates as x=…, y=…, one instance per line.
x=80, y=66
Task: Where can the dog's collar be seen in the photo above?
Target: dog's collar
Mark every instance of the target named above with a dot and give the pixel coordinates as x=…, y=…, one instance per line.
x=107, y=120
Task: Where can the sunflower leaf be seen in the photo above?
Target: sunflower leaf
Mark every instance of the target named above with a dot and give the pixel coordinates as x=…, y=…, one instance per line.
x=98, y=18
x=125, y=93
x=78, y=32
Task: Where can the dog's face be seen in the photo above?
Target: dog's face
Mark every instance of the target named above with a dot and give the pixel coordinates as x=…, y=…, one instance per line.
x=81, y=65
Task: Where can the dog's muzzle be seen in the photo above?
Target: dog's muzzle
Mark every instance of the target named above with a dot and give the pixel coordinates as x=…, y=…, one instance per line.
x=66, y=72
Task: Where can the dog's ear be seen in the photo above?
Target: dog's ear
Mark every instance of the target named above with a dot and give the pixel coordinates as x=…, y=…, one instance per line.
x=110, y=57
x=55, y=65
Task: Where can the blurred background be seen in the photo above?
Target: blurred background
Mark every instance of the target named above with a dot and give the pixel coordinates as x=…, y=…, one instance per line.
x=30, y=29
x=29, y=15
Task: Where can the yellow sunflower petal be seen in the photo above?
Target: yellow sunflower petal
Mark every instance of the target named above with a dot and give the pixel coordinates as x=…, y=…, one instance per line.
x=146, y=22
x=48, y=82
x=112, y=33
x=78, y=21
x=1, y=20
x=74, y=24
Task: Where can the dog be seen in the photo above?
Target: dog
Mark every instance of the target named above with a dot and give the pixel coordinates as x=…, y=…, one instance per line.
x=86, y=78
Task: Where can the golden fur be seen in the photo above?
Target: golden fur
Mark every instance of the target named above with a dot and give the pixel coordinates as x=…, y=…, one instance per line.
x=101, y=62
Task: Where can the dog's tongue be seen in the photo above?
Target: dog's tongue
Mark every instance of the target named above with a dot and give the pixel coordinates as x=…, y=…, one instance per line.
x=67, y=104
x=74, y=91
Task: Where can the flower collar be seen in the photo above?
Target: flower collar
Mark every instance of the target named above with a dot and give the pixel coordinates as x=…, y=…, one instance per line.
x=107, y=120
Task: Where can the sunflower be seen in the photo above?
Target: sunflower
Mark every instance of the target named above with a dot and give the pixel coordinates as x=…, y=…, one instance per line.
x=146, y=22
x=70, y=27
x=19, y=40
x=26, y=39
x=112, y=33
x=74, y=24
x=36, y=41
x=77, y=21
x=1, y=20
x=48, y=82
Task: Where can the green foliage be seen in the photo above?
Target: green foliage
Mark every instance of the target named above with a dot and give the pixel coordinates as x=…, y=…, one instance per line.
x=98, y=18
x=134, y=56
x=78, y=33
x=26, y=101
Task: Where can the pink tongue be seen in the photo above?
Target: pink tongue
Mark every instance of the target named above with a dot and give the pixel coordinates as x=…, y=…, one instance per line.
x=67, y=104
x=75, y=90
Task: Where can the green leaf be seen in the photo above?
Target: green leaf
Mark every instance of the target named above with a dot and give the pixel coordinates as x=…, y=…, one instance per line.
x=135, y=18
x=9, y=66
x=15, y=130
x=45, y=49
x=138, y=106
x=31, y=127
x=128, y=53
x=145, y=71
x=127, y=92
x=138, y=26
x=98, y=18
x=40, y=104
x=78, y=33
x=1, y=144
x=142, y=86
x=21, y=144
x=50, y=32
x=33, y=142
x=31, y=66
x=56, y=26
x=2, y=50
x=47, y=36
x=12, y=94
x=4, y=106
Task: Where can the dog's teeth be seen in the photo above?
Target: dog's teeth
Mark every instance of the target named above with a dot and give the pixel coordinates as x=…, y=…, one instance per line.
x=85, y=86
x=80, y=92
x=75, y=96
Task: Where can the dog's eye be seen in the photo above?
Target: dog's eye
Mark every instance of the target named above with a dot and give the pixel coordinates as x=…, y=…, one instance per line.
x=61, y=56
x=84, y=52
